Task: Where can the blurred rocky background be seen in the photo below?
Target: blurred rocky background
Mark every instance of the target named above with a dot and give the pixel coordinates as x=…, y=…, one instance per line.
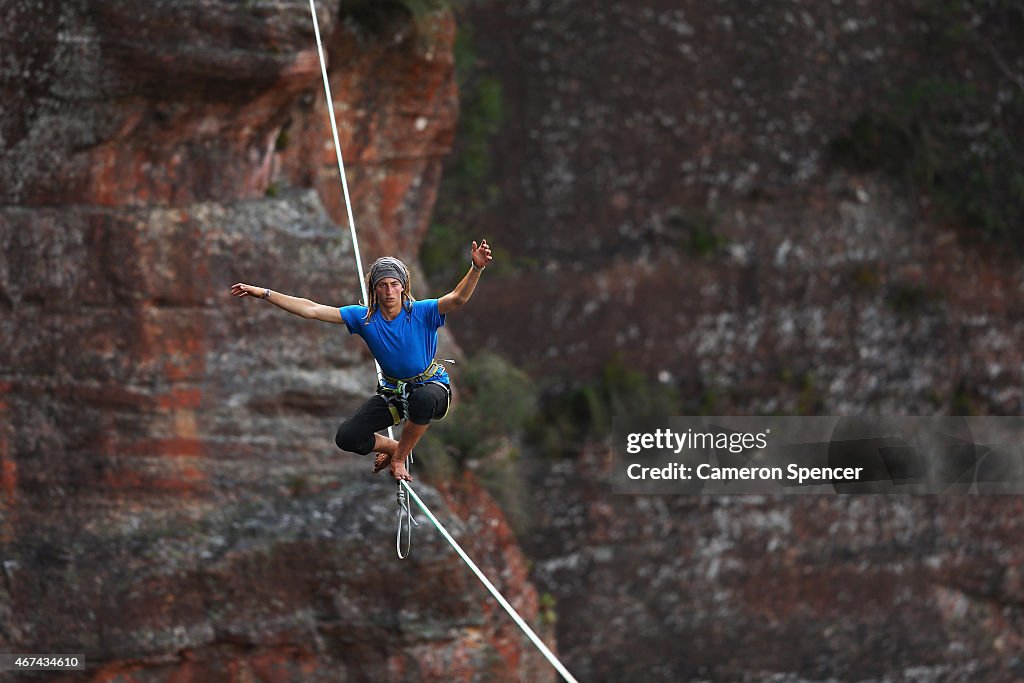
x=788, y=208
x=697, y=208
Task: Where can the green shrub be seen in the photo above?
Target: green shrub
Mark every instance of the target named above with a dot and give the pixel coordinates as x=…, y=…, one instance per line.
x=547, y=604
x=376, y=17
x=496, y=401
x=967, y=400
x=956, y=133
x=692, y=231
x=911, y=299
x=571, y=416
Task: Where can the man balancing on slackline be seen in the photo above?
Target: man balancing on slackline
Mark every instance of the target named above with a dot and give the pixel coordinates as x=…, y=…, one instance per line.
x=401, y=333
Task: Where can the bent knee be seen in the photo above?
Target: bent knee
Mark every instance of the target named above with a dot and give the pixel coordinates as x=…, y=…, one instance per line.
x=427, y=405
x=347, y=440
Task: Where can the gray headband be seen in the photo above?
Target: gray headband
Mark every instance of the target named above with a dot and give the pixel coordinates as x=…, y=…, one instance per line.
x=388, y=266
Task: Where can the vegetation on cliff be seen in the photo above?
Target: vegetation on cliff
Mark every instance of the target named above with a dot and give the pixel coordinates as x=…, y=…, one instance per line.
x=953, y=133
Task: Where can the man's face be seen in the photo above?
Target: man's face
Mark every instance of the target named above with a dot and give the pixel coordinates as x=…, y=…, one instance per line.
x=389, y=291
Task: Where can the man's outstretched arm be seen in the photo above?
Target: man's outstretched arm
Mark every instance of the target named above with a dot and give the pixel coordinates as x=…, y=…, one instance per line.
x=481, y=256
x=302, y=307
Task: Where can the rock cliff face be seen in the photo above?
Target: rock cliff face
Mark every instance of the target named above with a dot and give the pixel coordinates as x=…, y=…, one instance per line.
x=173, y=505
x=673, y=170
x=765, y=588
x=170, y=500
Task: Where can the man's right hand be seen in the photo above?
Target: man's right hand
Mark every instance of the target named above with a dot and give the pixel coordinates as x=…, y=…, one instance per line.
x=242, y=289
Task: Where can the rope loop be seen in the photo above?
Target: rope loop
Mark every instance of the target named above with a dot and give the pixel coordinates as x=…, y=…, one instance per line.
x=405, y=523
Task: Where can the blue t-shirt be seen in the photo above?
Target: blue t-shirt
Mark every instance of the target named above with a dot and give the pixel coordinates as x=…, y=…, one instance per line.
x=404, y=346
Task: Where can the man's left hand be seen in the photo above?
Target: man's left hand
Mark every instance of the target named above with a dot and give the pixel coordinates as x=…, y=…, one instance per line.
x=399, y=472
x=481, y=254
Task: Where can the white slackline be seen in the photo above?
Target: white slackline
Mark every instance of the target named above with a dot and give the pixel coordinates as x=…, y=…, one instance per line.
x=494, y=591
x=362, y=285
x=341, y=164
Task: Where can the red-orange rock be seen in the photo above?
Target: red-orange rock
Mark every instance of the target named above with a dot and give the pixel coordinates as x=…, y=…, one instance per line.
x=172, y=504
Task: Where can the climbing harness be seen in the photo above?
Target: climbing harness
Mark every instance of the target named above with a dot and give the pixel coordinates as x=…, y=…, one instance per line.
x=397, y=399
x=397, y=396
x=403, y=486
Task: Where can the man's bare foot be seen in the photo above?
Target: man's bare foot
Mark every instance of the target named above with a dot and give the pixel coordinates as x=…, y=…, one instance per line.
x=399, y=472
x=381, y=462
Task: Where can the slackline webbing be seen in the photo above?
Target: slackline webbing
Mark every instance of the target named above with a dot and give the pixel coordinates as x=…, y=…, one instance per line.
x=362, y=285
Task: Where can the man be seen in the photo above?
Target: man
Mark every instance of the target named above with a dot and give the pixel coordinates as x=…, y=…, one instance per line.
x=401, y=333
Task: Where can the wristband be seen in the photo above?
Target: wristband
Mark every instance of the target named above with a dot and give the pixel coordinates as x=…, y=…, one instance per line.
x=266, y=293
x=477, y=269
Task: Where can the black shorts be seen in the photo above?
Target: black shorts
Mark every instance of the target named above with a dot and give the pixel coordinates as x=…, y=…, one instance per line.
x=426, y=402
